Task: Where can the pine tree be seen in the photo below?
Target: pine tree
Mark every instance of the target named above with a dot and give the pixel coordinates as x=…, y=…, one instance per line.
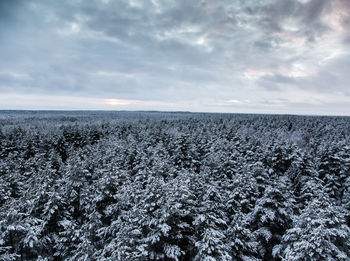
x=334, y=168
x=210, y=226
x=271, y=216
x=318, y=233
x=242, y=241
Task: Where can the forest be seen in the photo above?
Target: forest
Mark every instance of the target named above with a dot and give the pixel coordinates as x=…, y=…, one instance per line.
x=173, y=186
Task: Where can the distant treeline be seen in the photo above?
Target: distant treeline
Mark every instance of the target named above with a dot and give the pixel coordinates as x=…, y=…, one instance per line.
x=173, y=186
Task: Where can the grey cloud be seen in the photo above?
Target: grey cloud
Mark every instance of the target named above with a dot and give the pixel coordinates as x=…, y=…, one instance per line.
x=9, y=13
x=332, y=79
x=10, y=80
x=276, y=82
x=313, y=10
x=274, y=14
x=265, y=44
x=278, y=78
x=309, y=16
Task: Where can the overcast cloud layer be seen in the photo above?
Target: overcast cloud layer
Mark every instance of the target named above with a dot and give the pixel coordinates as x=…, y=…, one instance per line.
x=263, y=56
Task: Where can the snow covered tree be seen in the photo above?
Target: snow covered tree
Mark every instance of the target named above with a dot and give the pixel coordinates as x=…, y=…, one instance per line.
x=210, y=226
x=242, y=241
x=318, y=233
x=334, y=168
x=271, y=216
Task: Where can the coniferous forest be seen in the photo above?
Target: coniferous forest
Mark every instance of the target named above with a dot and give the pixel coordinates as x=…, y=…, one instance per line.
x=173, y=186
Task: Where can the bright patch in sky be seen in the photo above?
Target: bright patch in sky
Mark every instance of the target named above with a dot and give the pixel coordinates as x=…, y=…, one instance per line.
x=119, y=102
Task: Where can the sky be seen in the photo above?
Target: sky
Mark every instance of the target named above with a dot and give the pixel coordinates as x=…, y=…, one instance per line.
x=240, y=56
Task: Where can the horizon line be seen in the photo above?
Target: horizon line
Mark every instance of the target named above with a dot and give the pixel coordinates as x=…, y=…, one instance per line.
x=173, y=111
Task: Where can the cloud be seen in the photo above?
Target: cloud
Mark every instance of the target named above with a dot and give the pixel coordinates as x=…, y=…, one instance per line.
x=189, y=53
